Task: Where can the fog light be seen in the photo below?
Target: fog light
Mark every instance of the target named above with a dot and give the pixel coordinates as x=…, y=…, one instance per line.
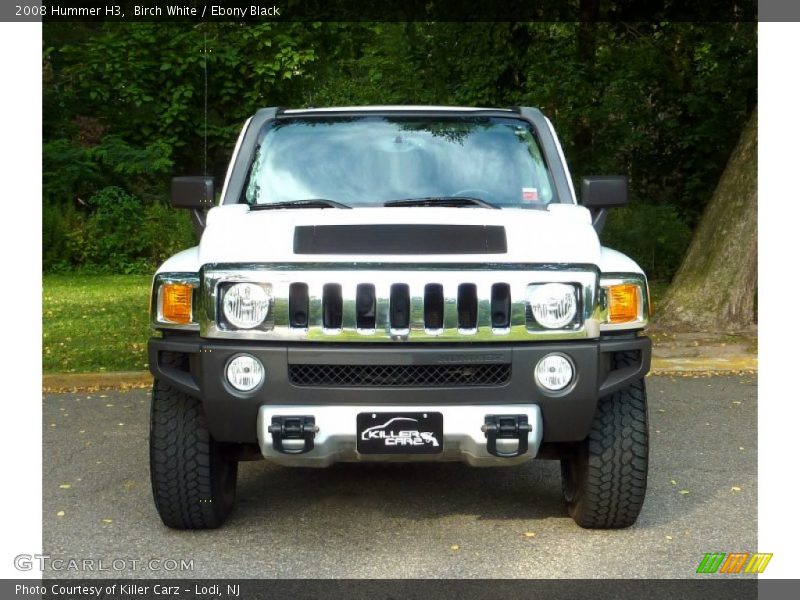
x=245, y=373
x=554, y=372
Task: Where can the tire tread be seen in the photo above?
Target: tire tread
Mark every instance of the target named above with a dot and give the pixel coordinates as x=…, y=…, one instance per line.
x=611, y=491
x=182, y=461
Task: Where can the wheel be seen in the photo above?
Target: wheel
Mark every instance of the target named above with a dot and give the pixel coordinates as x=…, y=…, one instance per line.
x=192, y=476
x=605, y=478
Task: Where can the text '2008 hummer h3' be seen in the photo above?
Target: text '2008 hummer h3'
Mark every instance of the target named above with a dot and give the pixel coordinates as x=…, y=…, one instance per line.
x=399, y=284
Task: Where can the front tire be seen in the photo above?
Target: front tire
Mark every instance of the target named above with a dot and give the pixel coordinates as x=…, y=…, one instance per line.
x=192, y=476
x=604, y=478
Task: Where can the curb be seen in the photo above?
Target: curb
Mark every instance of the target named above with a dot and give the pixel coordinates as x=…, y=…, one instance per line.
x=706, y=365
x=90, y=382
x=83, y=382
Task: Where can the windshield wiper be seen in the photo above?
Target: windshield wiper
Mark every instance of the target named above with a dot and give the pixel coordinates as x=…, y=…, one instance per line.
x=310, y=203
x=452, y=201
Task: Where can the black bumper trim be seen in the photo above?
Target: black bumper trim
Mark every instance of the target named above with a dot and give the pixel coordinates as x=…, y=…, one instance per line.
x=619, y=378
x=232, y=416
x=183, y=380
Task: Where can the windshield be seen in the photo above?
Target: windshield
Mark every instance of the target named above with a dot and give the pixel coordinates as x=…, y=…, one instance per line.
x=372, y=160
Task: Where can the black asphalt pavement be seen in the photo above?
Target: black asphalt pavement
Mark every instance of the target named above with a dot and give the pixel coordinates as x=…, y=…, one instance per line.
x=397, y=521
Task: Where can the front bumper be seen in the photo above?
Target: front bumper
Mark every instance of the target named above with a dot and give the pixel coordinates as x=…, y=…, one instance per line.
x=336, y=439
x=566, y=416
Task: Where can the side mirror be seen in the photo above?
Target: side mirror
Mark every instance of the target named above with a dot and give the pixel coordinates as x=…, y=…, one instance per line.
x=192, y=192
x=604, y=192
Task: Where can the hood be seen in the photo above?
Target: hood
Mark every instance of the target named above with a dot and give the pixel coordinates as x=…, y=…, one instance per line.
x=562, y=233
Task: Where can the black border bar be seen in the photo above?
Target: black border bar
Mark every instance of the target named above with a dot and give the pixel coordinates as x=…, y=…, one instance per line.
x=707, y=587
x=399, y=10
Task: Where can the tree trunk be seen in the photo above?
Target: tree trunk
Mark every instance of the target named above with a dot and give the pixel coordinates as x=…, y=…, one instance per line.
x=714, y=289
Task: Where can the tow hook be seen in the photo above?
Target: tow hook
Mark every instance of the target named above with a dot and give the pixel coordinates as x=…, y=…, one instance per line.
x=293, y=430
x=506, y=427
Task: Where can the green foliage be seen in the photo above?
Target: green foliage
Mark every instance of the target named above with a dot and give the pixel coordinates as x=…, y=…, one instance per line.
x=661, y=102
x=68, y=172
x=656, y=237
x=121, y=158
x=145, y=84
x=124, y=110
x=111, y=236
x=127, y=105
x=58, y=223
x=165, y=231
x=119, y=234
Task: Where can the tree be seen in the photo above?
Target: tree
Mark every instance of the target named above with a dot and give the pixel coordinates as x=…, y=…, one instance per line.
x=716, y=283
x=129, y=105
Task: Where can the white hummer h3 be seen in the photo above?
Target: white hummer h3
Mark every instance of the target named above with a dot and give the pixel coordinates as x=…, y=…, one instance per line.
x=399, y=283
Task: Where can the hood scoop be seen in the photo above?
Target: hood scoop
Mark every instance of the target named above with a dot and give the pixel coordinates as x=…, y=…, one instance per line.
x=400, y=239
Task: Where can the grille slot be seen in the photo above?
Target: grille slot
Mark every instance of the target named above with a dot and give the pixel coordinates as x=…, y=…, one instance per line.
x=399, y=306
x=433, y=302
x=467, y=306
x=332, y=306
x=298, y=305
x=365, y=306
x=501, y=305
x=460, y=375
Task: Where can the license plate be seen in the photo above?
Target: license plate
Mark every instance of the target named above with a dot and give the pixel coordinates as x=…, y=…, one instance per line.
x=399, y=433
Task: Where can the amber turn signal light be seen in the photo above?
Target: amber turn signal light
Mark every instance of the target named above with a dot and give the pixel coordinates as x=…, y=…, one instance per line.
x=623, y=303
x=176, y=303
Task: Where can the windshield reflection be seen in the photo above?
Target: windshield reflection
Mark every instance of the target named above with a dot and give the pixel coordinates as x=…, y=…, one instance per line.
x=371, y=160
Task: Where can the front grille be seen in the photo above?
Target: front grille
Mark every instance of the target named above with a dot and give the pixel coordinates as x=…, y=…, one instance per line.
x=466, y=375
x=375, y=303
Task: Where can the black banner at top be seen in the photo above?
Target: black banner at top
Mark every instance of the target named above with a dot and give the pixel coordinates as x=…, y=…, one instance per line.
x=382, y=10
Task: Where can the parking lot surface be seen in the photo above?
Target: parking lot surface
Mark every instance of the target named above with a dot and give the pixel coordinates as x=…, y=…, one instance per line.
x=398, y=521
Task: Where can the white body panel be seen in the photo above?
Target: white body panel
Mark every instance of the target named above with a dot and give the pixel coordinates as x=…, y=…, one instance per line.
x=612, y=261
x=563, y=160
x=185, y=261
x=233, y=158
x=562, y=234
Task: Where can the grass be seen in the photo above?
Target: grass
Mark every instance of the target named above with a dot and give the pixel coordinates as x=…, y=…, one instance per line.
x=95, y=323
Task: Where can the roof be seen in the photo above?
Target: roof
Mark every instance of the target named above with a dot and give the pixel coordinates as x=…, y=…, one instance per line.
x=394, y=107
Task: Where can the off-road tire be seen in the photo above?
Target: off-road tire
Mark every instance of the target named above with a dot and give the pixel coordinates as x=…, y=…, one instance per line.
x=193, y=477
x=604, y=478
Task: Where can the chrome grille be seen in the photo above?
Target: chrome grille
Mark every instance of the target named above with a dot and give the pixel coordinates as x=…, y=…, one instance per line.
x=399, y=302
x=400, y=375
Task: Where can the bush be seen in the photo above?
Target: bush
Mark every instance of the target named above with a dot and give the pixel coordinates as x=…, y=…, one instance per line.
x=656, y=237
x=112, y=236
x=120, y=234
x=57, y=225
x=166, y=231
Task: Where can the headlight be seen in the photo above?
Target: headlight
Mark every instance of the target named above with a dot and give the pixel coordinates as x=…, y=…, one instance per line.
x=245, y=305
x=245, y=373
x=553, y=305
